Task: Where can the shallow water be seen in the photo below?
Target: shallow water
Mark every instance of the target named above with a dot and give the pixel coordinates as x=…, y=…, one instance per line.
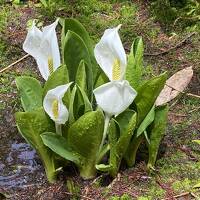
x=20, y=166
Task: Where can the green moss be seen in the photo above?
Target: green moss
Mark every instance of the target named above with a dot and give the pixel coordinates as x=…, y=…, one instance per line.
x=123, y=197
x=183, y=185
x=143, y=198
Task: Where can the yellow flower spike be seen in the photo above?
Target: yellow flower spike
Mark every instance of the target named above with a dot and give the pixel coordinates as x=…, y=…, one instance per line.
x=116, y=71
x=110, y=54
x=55, y=108
x=50, y=64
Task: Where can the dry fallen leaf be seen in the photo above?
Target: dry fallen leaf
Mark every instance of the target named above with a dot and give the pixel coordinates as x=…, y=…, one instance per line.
x=174, y=85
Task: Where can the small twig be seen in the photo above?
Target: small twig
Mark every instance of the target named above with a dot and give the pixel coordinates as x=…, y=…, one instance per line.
x=17, y=61
x=188, y=94
x=182, y=195
x=194, y=109
x=82, y=196
x=172, y=48
x=195, y=196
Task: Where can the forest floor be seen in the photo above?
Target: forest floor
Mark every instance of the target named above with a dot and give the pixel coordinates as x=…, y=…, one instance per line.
x=178, y=166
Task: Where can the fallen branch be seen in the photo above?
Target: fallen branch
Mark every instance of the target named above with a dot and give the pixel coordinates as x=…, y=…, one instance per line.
x=17, y=61
x=172, y=48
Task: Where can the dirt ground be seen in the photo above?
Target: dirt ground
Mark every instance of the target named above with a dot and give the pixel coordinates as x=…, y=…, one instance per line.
x=178, y=167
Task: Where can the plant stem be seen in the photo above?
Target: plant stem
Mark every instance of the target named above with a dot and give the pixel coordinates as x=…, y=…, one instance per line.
x=58, y=128
x=107, y=120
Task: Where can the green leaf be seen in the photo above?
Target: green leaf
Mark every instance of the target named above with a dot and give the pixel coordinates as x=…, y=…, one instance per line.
x=59, y=145
x=197, y=185
x=86, y=133
x=81, y=76
x=135, y=63
x=147, y=95
x=58, y=77
x=197, y=141
x=146, y=122
x=77, y=27
x=117, y=151
x=123, y=120
x=71, y=105
x=84, y=137
x=113, y=133
x=156, y=134
x=104, y=168
x=85, y=100
x=30, y=91
x=75, y=50
x=131, y=151
x=102, y=79
x=31, y=125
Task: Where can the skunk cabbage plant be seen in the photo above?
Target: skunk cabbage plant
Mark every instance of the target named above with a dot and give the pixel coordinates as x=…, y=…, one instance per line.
x=95, y=107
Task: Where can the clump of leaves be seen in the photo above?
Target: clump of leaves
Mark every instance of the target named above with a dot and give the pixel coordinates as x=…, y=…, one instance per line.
x=86, y=113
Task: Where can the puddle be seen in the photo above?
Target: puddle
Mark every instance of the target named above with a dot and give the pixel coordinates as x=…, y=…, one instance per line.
x=20, y=166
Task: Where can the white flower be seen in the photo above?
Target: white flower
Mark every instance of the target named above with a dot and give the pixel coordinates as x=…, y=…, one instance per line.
x=110, y=54
x=113, y=97
x=54, y=106
x=43, y=46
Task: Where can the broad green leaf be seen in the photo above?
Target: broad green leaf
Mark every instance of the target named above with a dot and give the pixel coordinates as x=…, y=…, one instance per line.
x=85, y=100
x=71, y=105
x=131, y=151
x=118, y=150
x=79, y=104
x=30, y=91
x=146, y=122
x=85, y=134
x=135, y=63
x=156, y=134
x=59, y=145
x=147, y=94
x=81, y=76
x=123, y=120
x=76, y=27
x=84, y=137
x=103, y=152
x=113, y=134
x=58, y=77
x=75, y=50
x=31, y=125
x=101, y=79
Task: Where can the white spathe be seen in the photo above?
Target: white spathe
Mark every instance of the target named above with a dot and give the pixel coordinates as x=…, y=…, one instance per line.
x=109, y=52
x=54, y=106
x=114, y=97
x=43, y=46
